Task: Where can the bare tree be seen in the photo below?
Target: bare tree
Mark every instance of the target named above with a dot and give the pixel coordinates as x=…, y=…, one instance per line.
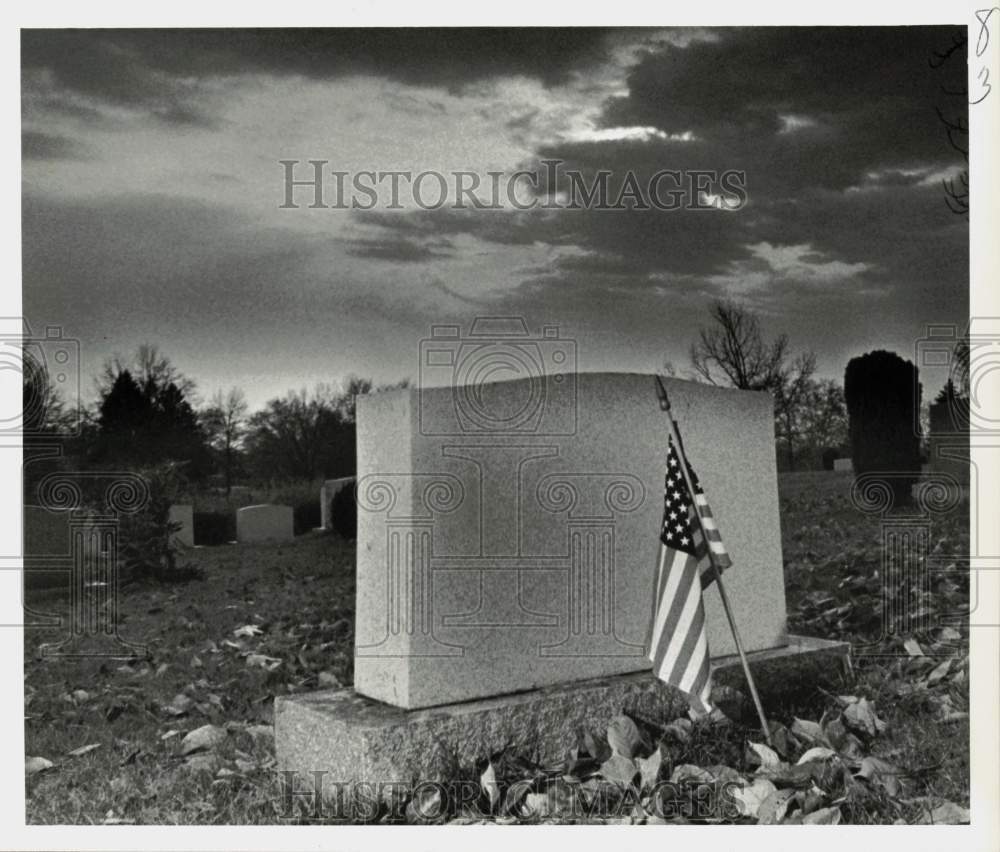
x=733, y=351
x=153, y=371
x=791, y=403
x=225, y=423
x=956, y=189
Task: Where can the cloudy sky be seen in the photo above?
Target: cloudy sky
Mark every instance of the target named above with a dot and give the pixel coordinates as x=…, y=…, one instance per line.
x=152, y=189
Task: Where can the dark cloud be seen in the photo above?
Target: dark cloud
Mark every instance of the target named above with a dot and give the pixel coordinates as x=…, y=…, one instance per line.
x=160, y=71
x=869, y=92
x=837, y=133
x=845, y=241
x=36, y=145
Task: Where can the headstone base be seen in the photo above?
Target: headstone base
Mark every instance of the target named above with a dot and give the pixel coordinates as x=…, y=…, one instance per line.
x=350, y=739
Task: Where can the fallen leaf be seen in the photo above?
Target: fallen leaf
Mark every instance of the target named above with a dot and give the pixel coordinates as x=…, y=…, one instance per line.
x=689, y=772
x=537, y=804
x=649, y=769
x=912, y=647
x=329, y=679
x=203, y=738
x=774, y=808
x=596, y=747
x=816, y=753
x=263, y=661
x=783, y=775
x=427, y=805
x=624, y=737
x=488, y=781
x=80, y=696
x=265, y=731
x=77, y=752
x=179, y=705
x=938, y=672
x=201, y=762
x=823, y=816
x=749, y=797
x=861, y=717
x=947, y=813
x=880, y=772
x=619, y=769
x=809, y=731
x=247, y=630
x=766, y=756
x=34, y=765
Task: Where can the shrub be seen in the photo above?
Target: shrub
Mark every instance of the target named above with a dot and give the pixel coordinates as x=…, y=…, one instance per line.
x=145, y=537
x=883, y=404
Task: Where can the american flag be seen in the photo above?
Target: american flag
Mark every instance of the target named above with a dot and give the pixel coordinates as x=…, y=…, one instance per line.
x=679, y=645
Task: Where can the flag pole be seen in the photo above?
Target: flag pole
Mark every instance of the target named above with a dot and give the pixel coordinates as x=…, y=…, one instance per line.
x=675, y=435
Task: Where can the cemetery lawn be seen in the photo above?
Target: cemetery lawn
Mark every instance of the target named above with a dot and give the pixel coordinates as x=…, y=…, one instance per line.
x=267, y=620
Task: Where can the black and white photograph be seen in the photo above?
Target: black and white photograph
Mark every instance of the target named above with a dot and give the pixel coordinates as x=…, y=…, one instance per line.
x=534, y=422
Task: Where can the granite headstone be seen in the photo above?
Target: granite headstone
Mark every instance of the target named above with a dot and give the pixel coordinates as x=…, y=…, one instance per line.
x=265, y=522
x=508, y=532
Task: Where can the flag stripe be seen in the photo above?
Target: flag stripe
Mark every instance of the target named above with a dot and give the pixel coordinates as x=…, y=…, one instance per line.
x=673, y=577
x=695, y=631
x=691, y=549
x=675, y=632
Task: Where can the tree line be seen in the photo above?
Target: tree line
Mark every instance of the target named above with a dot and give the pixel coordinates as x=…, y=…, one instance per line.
x=146, y=414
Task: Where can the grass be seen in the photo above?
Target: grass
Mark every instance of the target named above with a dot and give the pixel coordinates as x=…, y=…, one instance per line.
x=300, y=596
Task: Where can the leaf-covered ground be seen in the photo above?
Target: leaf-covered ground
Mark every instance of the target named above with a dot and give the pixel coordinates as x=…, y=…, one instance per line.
x=183, y=735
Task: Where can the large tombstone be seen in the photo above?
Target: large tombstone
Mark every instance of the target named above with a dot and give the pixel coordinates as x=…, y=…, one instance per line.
x=507, y=540
x=508, y=533
x=843, y=465
x=265, y=522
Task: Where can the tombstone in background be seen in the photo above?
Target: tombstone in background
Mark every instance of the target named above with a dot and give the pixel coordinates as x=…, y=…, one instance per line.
x=843, y=466
x=184, y=515
x=265, y=522
x=507, y=541
x=330, y=489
